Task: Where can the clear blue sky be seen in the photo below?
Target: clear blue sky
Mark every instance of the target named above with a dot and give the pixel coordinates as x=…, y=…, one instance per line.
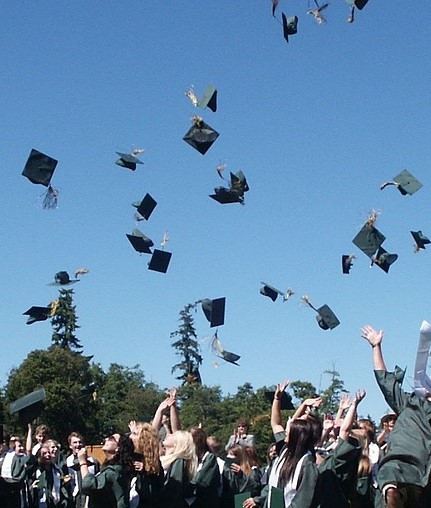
x=316, y=125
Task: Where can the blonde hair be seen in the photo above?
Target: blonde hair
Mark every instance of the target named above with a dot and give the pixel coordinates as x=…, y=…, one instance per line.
x=148, y=446
x=185, y=449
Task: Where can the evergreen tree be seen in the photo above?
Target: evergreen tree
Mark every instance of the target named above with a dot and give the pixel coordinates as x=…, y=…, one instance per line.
x=331, y=395
x=64, y=322
x=187, y=347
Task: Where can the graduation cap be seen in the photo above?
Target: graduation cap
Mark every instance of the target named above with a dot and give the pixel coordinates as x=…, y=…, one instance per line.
x=146, y=206
x=420, y=239
x=89, y=389
x=272, y=292
x=200, y=135
x=140, y=242
x=214, y=311
x=355, y=4
x=221, y=352
x=62, y=279
x=233, y=194
x=369, y=239
x=208, y=100
x=129, y=160
x=29, y=407
x=383, y=259
x=347, y=262
x=38, y=314
x=285, y=401
x=39, y=169
x=326, y=319
x=159, y=261
x=274, y=6
x=289, y=26
x=405, y=182
x=317, y=12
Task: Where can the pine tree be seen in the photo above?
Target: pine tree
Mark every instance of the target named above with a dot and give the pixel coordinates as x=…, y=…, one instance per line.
x=188, y=347
x=64, y=322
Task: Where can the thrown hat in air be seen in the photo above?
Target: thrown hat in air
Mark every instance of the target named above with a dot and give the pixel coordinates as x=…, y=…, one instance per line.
x=369, y=239
x=129, y=160
x=29, y=407
x=159, y=261
x=200, y=135
x=326, y=318
x=208, y=99
x=146, y=206
x=37, y=314
x=285, y=401
x=62, y=279
x=140, y=242
x=420, y=240
x=233, y=194
x=405, y=182
x=214, y=311
x=290, y=26
x=39, y=169
x=221, y=352
x=270, y=291
x=347, y=262
x=383, y=259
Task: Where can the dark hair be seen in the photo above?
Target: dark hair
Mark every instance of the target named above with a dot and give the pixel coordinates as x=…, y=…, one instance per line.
x=124, y=454
x=243, y=422
x=252, y=456
x=316, y=428
x=300, y=441
x=200, y=439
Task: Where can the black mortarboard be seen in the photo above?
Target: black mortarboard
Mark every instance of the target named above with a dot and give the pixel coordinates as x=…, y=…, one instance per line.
x=200, y=135
x=146, y=206
x=270, y=291
x=140, y=242
x=420, y=239
x=226, y=196
x=214, y=311
x=347, y=262
x=360, y=4
x=128, y=160
x=405, y=182
x=286, y=399
x=159, y=261
x=89, y=389
x=62, y=279
x=39, y=168
x=209, y=99
x=384, y=260
x=290, y=26
x=238, y=182
x=326, y=318
x=37, y=314
x=29, y=407
x=220, y=351
x=369, y=239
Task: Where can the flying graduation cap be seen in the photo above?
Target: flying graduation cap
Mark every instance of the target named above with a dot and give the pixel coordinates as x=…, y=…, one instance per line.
x=200, y=135
x=355, y=4
x=208, y=100
x=39, y=169
x=214, y=311
x=221, y=352
x=285, y=401
x=383, y=259
x=62, y=279
x=405, y=182
x=129, y=160
x=290, y=26
x=29, y=407
x=160, y=259
x=235, y=192
x=140, y=242
x=347, y=262
x=420, y=240
x=273, y=293
x=145, y=207
x=317, y=12
x=40, y=313
x=326, y=319
x=369, y=239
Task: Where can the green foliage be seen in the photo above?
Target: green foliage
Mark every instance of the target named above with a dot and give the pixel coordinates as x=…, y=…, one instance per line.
x=200, y=404
x=187, y=347
x=331, y=395
x=64, y=322
x=302, y=390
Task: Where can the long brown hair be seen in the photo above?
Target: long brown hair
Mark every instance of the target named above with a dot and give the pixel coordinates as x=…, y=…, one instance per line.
x=239, y=452
x=300, y=441
x=148, y=447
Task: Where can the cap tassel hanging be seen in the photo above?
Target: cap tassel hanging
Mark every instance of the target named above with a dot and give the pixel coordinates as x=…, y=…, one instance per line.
x=50, y=198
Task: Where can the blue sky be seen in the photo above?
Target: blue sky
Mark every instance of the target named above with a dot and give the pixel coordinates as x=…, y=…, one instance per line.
x=316, y=125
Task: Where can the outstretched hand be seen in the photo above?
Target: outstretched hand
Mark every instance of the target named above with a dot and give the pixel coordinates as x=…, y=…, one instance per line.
x=373, y=337
x=280, y=388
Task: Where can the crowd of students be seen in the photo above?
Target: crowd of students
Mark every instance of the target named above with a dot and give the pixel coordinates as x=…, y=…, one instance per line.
x=335, y=462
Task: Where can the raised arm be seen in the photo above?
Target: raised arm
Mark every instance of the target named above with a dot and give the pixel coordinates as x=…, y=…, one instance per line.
x=174, y=414
x=29, y=440
x=347, y=424
x=276, y=422
x=375, y=338
x=303, y=408
x=157, y=419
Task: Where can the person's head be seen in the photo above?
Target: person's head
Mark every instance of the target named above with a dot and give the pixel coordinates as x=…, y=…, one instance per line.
x=366, y=427
x=388, y=422
x=271, y=452
x=214, y=445
x=242, y=426
x=12, y=440
x=252, y=456
x=200, y=439
x=41, y=433
x=300, y=441
x=75, y=442
x=53, y=446
x=148, y=446
x=239, y=453
x=118, y=449
x=44, y=455
x=19, y=447
x=180, y=445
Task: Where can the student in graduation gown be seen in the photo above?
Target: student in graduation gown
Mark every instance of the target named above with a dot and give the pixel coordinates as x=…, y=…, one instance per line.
x=109, y=488
x=207, y=478
x=180, y=465
x=148, y=479
x=405, y=469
